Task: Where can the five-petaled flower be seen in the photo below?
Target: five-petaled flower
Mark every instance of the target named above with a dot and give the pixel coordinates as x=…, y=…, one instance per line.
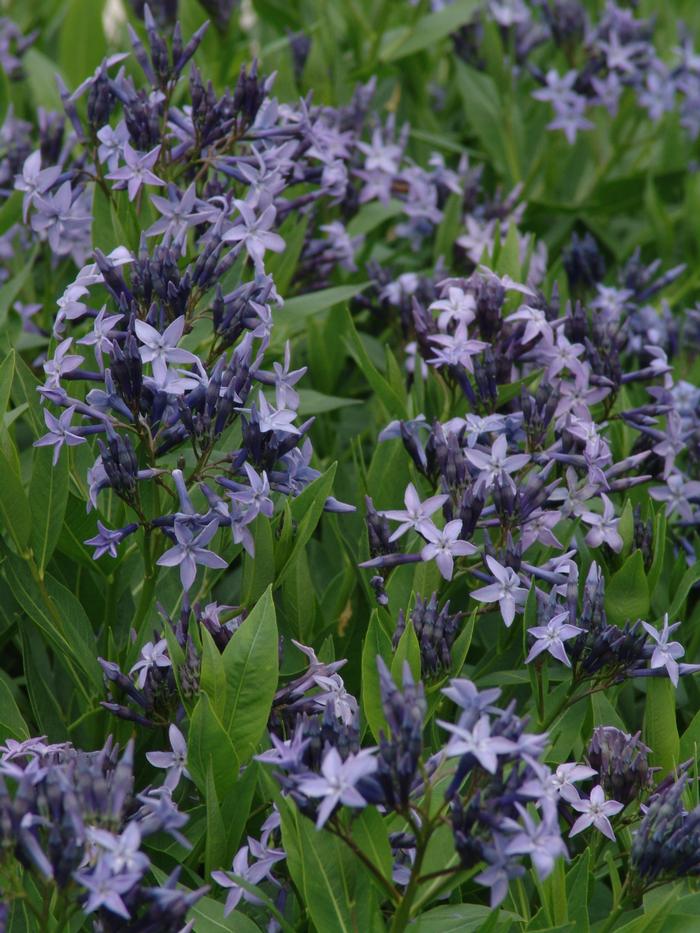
x=416, y=514
x=595, y=812
x=337, y=781
x=444, y=545
x=665, y=652
x=190, y=551
x=507, y=591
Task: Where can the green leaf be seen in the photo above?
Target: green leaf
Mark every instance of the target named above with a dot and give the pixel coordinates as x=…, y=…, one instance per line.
x=508, y=261
x=215, y=836
x=209, y=918
x=660, y=727
x=212, y=678
x=604, y=713
x=61, y=619
x=452, y=918
x=103, y=233
x=40, y=72
x=24, y=392
x=299, y=599
x=297, y=309
x=372, y=215
x=578, y=883
x=689, y=579
x=12, y=724
x=334, y=887
x=48, y=713
x=654, y=920
x=15, y=513
x=208, y=746
x=259, y=571
x=376, y=642
x=659, y=551
x=7, y=371
x=82, y=41
x=484, y=113
x=427, y=31
x=306, y=510
x=627, y=594
x=48, y=498
x=283, y=265
x=449, y=228
x=407, y=649
x=372, y=837
x=14, y=285
x=394, y=404
x=251, y=665
x=625, y=526
x=690, y=740
x=316, y=403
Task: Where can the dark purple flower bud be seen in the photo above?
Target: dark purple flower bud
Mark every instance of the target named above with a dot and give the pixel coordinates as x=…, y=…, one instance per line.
x=436, y=630
x=401, y=750
x=126, y=367
x=120, y=463
x=584, y=263
x=378, y=531
x=621, y=762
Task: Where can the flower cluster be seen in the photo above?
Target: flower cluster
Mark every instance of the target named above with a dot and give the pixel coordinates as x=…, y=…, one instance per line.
x=606, y=56
x=73, y=818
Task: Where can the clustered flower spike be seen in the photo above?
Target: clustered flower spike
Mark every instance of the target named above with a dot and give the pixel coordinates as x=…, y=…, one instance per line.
x=135, y=308
x=75, y=819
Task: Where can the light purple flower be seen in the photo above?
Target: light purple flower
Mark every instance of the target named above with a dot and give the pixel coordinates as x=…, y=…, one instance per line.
x=59, y=432
x=175, y=761
x=416, y=514
x=603, y=527
x=595, y=812
x=112, y=141
x=275, y=419
x=541, y=841
x=34, y=180
x=190, y=551
x=336, y=783
x=478, y=742
x=536, y=323
x=99, y=336
x=459, y=306
x=506, y=591
x=255, y=233
x=137, y=171
x=551, y=785
x=256, y=497
x=62, y=362
x=676, y=494
x=178, y=215
x=444, y=545
x=501, y=870
x=457, y=349
x=285, y=378
x=253, y=873
x=665, y=652
x=160, y=349
x=105, y=888
x=492, y=466
x=123, y=852
x=551, y=638
x=153, y=654
x=106, y=541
